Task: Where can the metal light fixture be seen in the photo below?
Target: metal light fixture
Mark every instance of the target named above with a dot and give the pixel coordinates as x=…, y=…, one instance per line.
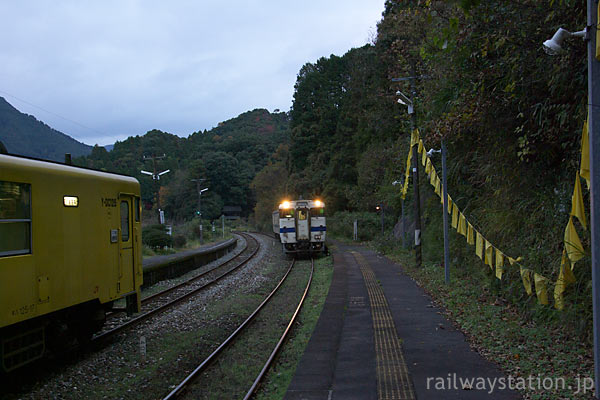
x=157, y=176
x=404, y=100
x=554, y=46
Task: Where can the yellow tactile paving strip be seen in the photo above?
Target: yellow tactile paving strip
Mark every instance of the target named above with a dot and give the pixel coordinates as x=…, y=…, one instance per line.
x=393, y=381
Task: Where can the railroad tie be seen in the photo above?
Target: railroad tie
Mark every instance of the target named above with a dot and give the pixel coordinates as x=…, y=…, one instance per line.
x=393, y=380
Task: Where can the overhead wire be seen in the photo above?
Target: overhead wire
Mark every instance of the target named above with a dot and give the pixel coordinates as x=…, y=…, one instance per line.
x=60, y=116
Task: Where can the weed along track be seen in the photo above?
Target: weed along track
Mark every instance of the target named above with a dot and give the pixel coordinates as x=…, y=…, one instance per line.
x=236, y=367
x=163, y=300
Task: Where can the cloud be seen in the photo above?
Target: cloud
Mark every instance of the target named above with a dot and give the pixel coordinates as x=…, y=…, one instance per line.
x=125, y=67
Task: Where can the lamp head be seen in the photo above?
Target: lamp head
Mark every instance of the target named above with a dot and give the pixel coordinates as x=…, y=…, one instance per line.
x=403, y=99
x=554, y=46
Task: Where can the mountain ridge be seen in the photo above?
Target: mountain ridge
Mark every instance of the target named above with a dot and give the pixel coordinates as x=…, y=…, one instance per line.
x=23, y=134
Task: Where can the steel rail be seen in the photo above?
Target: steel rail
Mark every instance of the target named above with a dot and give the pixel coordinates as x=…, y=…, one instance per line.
x=283, y=337
x=177, y=391
x=191, y=280
x=165, y=306
x=151, y=297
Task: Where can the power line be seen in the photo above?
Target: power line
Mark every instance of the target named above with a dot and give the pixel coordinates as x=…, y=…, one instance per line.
x=59, y=116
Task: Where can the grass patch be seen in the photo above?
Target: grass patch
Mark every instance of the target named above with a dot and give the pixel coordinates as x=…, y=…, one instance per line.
x=282, y=372
x=148, y=251
x=235, y=370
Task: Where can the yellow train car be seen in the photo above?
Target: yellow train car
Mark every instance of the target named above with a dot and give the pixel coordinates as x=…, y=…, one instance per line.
x=70, y=245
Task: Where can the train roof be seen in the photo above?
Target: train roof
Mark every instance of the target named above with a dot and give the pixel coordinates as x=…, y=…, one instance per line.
x=35, y=164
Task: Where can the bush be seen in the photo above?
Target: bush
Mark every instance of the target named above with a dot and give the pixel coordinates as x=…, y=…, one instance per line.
x=155, y=236
x=369, y=225
x=179, y=241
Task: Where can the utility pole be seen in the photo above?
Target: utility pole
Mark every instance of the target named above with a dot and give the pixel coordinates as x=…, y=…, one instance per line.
x=403, y=226
x=594, y=135
x=417, y=200
x=445, y=211
x=553, y=47
x=415, y=162
x=156, y=177
x=382, y=219
x=200, y=191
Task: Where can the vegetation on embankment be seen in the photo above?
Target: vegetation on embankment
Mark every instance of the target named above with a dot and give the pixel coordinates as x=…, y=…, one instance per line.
x=510, y=115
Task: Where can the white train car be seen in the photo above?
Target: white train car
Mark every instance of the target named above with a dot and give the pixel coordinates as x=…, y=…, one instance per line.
x=301, y=226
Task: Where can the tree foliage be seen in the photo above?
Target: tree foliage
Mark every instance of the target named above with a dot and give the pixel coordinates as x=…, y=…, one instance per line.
x=227, y=158
x=510, y=116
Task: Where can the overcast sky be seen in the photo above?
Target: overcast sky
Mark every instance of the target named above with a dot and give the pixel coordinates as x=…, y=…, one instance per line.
x=101, y=71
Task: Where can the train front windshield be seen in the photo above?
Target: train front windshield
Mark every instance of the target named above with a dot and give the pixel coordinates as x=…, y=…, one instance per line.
x=317, y=212
x=286, y=213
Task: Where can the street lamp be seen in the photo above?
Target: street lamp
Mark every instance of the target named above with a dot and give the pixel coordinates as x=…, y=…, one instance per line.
x=444, y=211
x=156, y=177
x=405, y=101
x=200, y=191
x=554, y=45
x=380, y=208
x=409, y=102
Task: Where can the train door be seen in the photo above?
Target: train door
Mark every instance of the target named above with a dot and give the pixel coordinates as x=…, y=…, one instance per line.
x=302, y=224
x=126, y=240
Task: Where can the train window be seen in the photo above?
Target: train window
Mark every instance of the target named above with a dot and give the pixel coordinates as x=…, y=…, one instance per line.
x=15, y=218
x=287, y=213
x=138, y=209
x=301, y=215
x=124, y=221
x=317, y=212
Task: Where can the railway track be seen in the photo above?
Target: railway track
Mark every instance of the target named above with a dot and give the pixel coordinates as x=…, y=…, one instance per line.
x=185, y=383
x=161, y=301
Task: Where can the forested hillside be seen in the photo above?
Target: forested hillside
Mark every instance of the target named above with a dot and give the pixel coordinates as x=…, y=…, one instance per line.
x=24, y=135
x=226, y=157
x=511, y=117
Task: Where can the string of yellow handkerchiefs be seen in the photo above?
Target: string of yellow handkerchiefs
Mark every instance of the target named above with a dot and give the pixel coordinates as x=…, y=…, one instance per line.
x=490, y=254
x=573, y=250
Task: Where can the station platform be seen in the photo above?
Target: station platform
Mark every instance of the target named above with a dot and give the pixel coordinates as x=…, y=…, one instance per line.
x=380, y=336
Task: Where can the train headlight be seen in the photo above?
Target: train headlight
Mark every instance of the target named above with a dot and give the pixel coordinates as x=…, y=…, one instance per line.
x=318, y=203
x=286, y=204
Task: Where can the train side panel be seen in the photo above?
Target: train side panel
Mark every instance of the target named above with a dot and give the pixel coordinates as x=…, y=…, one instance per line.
x=276, y=224
x=84, y=238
